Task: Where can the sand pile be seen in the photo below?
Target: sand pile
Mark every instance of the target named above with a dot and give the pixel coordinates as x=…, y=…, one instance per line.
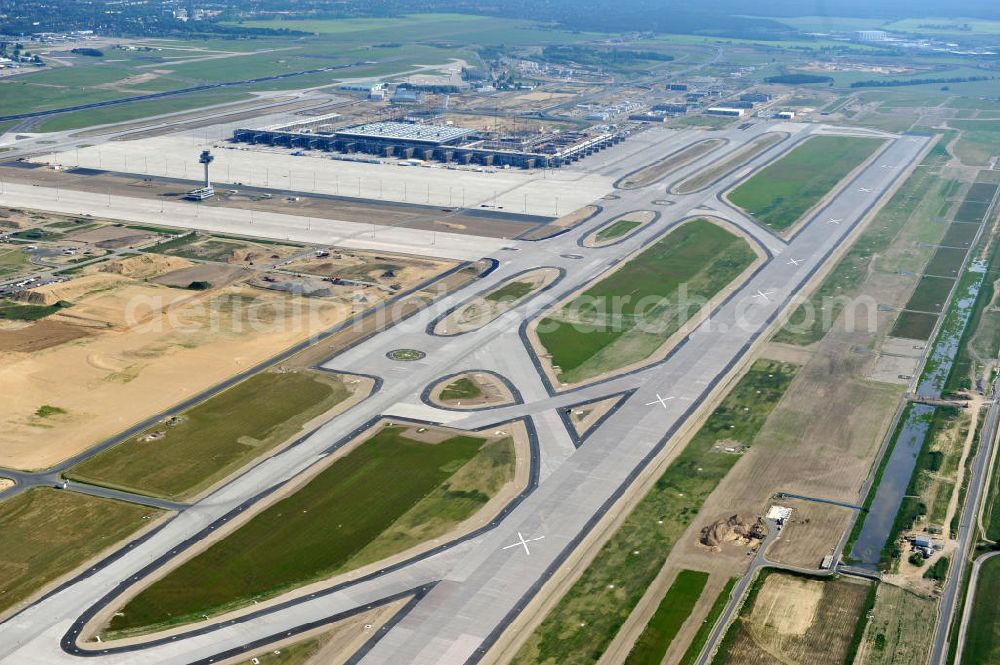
x=732, y=530
x=144, y=266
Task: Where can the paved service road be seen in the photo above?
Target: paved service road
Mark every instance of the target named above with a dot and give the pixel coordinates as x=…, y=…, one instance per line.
x=477, y=586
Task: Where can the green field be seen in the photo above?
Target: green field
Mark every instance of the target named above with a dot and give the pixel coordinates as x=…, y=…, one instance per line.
x=980, y=141
x=960, y=234
x=673, y=610
x=463, y=388
x=16, y=311
x=586, y=619
x=12, y=260
x=946, y=262
x=211, y=440
x=701, y=637
x=47, y=533
x=592, y=334
x=281, y=547
x=908, y=215
x=982, y=644
x=616, y=230
x=781, y=193
x=914, y=325
x=931, y=294
x=510, y=292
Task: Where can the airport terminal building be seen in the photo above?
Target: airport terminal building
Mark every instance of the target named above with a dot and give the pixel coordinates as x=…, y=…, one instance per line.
x=443, y=143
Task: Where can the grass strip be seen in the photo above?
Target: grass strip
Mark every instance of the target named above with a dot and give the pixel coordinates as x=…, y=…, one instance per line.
x=701, y=637
x=674, y=609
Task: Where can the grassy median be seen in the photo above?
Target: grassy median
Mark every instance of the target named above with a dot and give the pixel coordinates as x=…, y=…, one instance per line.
x=781, y=193
x=626, y=316
x=394, y=490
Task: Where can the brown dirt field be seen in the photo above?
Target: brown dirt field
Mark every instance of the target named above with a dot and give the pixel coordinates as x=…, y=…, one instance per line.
x=661, y=168
x=371, y=267
x=6, y=483
x=214, y=274
x=798, y=621
x=805, y=538
x=716, y=171
x=494, y=392
x=111, y=236
x=180, y=343
x=38, y=336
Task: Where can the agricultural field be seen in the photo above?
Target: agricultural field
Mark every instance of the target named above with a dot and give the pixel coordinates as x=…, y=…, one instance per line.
x=583, y=342
x=48, y=533
x=779, y=195
x=664, y=167
x=946, y=262
x=429, y=481
x=670, y=615
x=581, y=626
x=186, y=453
x=786, y=616
x=982, y=643
x=900, y=629
x=931, y=294
x=711, y=174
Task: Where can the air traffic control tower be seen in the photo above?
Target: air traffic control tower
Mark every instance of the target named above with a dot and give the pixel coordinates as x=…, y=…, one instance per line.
x=205, y=191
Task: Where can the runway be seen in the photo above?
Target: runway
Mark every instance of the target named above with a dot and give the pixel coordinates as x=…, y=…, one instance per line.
x=475, y=588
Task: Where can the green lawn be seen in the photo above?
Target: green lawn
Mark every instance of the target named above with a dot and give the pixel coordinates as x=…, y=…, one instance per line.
x=583, y=623
x=314, y=532
x=48, y=532
x=463, y=388
x=628, y=315
x=510, y=292
x=982, y=644
x=216, y=437
x=674, y=609
x=780, y=194
x=616, y=230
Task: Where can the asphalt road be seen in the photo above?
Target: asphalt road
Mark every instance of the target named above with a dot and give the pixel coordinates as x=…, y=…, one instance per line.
x=478, y=586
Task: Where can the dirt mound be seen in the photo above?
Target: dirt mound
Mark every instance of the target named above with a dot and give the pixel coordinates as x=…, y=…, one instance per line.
x=732, y=530
x=144, y=266
x=70, y=291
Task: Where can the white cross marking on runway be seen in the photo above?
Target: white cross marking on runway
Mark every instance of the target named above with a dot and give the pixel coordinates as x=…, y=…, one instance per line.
x=795, y=262
x=521, y=542
x=763, y=294
x=662, y=401
x=867, y=190
x=834, y=220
